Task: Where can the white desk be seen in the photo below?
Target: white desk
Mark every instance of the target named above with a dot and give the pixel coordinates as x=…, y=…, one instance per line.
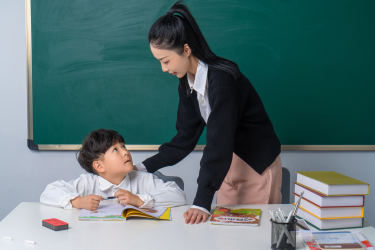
x=25, y=223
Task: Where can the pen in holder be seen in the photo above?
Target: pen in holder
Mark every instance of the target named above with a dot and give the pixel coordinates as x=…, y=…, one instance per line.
x=283, y=235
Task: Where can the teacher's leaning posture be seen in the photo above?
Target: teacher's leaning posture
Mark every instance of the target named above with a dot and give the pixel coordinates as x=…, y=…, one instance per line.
x=241, y=159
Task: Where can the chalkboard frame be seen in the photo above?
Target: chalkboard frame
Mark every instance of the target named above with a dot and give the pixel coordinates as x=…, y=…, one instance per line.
x=74, y=147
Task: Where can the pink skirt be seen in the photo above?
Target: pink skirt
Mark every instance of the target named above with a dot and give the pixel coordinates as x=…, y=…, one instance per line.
x=243, y=185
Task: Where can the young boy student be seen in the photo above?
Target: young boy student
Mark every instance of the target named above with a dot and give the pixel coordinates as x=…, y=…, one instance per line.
x=109, y=165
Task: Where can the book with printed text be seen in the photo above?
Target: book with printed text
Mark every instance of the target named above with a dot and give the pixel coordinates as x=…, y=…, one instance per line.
x=310, y=243
x=337, y=240
x=236, y=216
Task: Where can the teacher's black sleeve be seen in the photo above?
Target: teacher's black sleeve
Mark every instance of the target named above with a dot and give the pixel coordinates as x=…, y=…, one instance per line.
x=218, y=153
x=189, y=127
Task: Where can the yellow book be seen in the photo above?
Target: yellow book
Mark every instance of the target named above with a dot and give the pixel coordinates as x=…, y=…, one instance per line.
x=135, y=212
x=331, y=183
x=118, y=212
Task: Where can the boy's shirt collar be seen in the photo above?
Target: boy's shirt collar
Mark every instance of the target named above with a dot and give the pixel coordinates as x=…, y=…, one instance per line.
x=104, y=184
x=200, y=81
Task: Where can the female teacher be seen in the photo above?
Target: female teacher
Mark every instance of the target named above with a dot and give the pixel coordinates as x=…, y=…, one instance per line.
x=241, y=159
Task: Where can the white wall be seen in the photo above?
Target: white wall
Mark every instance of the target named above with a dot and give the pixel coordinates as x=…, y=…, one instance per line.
x=25, y=173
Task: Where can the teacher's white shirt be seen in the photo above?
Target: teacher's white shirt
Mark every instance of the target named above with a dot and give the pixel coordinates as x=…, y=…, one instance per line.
x=199, y=84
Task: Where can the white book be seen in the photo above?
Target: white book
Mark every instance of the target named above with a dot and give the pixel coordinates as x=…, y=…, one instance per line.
x=330, y=212
x=329, y=223
x=329, y=201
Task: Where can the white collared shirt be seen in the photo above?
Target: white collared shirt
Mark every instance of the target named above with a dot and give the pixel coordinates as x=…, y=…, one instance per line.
x=199, y=84
x=148, y=187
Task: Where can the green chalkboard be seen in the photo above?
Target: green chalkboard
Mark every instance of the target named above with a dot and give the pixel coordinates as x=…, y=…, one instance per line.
x=312, y=63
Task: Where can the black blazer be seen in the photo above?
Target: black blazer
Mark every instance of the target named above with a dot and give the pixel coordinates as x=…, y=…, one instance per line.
x=237, y=123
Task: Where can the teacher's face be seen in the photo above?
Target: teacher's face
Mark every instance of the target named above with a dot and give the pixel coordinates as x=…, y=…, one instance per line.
x=174, y=63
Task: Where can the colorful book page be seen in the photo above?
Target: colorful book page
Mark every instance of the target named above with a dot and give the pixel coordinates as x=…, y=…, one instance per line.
x=118, y=212
x=235, y=216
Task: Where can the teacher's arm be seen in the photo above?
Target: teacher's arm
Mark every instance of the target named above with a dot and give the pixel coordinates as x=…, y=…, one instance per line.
x=218, y=153
x=189, y=129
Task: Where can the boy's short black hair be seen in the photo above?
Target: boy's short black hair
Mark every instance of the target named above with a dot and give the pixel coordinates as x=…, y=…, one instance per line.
x=95, y=145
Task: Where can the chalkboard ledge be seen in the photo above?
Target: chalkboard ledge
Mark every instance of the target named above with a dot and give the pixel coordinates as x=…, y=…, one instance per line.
x=329, y=147
x=75, y=147
x=65, y=147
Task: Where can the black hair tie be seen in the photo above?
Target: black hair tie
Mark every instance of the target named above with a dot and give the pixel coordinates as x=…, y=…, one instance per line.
x=169, y=13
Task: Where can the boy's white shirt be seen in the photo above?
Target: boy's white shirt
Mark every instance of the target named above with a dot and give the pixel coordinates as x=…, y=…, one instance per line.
x=141, y=168
x=148, y=187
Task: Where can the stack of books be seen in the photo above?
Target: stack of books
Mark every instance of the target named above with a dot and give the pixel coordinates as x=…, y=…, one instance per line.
x=331, y=200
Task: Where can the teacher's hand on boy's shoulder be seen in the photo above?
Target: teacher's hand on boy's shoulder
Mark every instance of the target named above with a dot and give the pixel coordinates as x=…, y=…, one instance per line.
x=195, y=216
x=89, y=202
x=126, y=197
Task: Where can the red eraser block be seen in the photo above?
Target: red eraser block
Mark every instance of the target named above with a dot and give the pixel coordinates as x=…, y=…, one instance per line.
x=55, y=224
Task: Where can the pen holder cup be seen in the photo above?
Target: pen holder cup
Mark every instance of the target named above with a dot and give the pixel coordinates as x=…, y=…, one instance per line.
x=283, y=235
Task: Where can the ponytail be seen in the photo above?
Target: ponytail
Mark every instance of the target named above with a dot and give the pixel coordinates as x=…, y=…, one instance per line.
x=177, y=28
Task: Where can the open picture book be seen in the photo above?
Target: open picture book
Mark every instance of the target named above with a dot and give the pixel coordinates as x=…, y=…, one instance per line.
x=235, y=216
x=118, y=212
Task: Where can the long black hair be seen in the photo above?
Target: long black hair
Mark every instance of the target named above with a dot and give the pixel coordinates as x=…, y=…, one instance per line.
x=172, y=32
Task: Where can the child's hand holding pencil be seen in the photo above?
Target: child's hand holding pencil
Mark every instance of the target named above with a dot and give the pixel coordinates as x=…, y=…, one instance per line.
x=89, y=202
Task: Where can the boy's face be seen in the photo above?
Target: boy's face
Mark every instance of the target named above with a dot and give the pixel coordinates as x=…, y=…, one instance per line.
x=116, y=161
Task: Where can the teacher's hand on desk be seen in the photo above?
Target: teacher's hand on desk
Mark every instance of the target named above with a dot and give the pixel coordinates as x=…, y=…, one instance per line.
x=195, y=216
